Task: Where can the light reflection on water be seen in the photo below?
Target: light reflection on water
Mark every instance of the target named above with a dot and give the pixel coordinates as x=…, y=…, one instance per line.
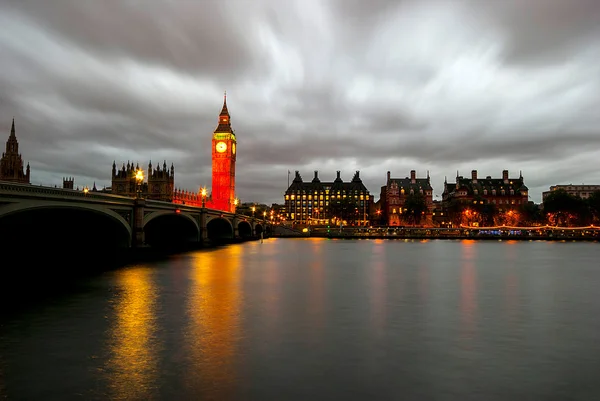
x=321, y=319
x=468, y=291
x=214, y=317
x=133, y=365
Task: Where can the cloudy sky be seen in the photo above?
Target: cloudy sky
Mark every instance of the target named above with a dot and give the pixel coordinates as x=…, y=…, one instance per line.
x=322, y=85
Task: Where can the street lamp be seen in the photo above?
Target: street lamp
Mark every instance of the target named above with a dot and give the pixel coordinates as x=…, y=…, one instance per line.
x=139, y=178
x=86, y=190
x=235, y=203
x=264, y=215
x=203, y=193
x=253, y=210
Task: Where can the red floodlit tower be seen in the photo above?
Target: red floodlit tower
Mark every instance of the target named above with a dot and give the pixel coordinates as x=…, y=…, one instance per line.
x=223, y=163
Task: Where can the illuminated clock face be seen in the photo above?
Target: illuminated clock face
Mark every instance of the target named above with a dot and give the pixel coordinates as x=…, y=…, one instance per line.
x=221, y=147
x=233, y=148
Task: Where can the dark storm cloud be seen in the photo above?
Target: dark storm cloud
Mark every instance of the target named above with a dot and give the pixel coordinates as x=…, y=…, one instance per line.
x=546, y=31
x=198, y=37
x=313, y=85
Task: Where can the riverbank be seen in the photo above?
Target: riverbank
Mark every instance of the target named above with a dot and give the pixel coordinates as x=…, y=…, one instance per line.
x=462, y=237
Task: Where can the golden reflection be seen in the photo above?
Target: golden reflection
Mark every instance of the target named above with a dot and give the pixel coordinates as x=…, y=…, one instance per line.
x=132, y=366
x=468, y=290
x=213, y=332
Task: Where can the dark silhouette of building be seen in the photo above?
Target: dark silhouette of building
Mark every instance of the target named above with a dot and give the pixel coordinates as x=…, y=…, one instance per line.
x=68, y=183
x=505, y=192
x=394, y=208
x=474, y=201
x=158, y=183
x=11, y=164
x=320, y=203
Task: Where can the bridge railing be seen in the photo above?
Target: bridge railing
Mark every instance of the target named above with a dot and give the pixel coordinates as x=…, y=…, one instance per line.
x=28, y=189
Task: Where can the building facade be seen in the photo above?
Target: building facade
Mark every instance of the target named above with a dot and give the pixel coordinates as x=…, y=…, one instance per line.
x=335, y=202
x=485, y=201
x=583, y=191
x=157, y=185
x=224, y=150
x=11, y=163
x=406, y=201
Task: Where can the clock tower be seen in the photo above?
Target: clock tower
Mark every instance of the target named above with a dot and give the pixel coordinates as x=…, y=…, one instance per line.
x=223, y=163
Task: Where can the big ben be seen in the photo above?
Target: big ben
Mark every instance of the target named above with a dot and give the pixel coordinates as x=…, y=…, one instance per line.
x=223, y=163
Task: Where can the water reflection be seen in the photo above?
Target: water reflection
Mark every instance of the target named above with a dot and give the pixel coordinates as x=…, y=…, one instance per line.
x=316, y=289
x=468, y=290
x=511, y=287
x=133, y=361
x=378, y=277
x=213, y=332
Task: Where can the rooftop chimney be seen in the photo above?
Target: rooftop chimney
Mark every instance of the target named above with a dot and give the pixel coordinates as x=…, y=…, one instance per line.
x=474, y=176
x=505, y=176
x=413, y=176
x=388, y=176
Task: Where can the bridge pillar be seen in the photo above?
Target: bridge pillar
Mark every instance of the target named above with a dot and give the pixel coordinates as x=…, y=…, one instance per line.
x=203, y=228
x=138, y=223
x=234, y=223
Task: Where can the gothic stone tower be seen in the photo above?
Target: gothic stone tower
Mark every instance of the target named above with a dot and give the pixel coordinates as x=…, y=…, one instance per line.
x=11, y=164
x=223, y=163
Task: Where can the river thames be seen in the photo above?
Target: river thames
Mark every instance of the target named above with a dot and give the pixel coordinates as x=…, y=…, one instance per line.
x=319, y=319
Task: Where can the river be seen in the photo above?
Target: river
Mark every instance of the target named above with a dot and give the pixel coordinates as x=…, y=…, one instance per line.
x=319, y=319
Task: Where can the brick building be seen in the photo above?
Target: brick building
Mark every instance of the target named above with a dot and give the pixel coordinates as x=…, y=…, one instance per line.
x=472, y=200
x=406, y=201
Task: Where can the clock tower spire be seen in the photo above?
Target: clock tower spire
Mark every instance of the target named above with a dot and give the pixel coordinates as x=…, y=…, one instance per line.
x=223, y=162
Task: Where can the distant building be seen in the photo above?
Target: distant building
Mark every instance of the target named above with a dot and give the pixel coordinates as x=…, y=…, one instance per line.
x=68, y=183
x=158, y=186
x=335, y=202
x=582, y=191
x=505, y=192
x=11, y=163
x=484, y=201
x=394, y=197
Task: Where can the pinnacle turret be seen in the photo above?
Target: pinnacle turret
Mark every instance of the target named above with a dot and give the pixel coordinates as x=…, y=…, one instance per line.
x=12, y=129
x=224, y=118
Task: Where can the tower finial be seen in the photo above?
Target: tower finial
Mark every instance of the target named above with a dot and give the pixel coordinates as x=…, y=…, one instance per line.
x=12, y=128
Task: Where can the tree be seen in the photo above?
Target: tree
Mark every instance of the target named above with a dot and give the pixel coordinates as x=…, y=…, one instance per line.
x=415, y=206
x=563, y=209
x=531, y=214
x=593, y=204
x=454, y=209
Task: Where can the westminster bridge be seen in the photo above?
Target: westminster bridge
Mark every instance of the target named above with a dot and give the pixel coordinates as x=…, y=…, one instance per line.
x=33, y=216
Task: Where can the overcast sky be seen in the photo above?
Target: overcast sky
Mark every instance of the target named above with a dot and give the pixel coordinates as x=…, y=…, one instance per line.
x=322, y=85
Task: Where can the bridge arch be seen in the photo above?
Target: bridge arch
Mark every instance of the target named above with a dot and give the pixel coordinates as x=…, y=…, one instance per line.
x=56, y=225
x=244, y=229
x=170, y=229
x=219, y=229
x=258, y=228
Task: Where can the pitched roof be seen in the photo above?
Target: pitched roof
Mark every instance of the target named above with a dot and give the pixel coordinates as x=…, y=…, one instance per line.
x=317, y=185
